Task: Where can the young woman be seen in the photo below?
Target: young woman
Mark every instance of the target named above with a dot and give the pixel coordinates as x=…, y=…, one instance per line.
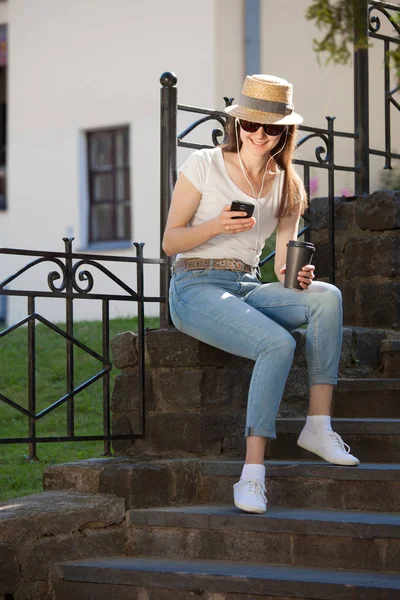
x=215, y=294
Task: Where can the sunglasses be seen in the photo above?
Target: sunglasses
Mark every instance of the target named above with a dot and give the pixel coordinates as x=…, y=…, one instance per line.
x=252, y=127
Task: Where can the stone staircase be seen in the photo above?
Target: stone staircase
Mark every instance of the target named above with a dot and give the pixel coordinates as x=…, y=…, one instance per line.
x=330, y=532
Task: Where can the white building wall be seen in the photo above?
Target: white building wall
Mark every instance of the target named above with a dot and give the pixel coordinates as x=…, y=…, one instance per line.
x=75, y=66
x=79, y=65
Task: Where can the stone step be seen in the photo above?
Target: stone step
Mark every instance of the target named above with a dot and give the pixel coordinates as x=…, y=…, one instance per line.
x=162, y=482
x=284, y=536
x=165, y=579
x=371, y=440
x=317, y=485
x=367, y=398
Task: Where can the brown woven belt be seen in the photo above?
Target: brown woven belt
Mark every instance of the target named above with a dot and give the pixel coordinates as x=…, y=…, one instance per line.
x=230, y=264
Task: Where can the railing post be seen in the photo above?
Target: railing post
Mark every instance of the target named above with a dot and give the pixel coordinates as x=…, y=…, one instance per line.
x=69, y=308
x=140, y=332
x=32, y=377
x=361, y=98
x=331, y=199
x=169, y=95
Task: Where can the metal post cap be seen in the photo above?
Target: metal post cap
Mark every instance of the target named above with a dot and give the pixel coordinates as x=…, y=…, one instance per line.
x=168, y=79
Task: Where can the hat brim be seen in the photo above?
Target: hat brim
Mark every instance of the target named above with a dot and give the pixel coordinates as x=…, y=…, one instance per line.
x=263, y=117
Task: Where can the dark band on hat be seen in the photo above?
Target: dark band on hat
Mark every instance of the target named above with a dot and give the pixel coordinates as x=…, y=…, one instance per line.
x=280, y=108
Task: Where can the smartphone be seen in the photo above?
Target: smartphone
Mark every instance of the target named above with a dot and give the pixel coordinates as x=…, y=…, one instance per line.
x=246, y=207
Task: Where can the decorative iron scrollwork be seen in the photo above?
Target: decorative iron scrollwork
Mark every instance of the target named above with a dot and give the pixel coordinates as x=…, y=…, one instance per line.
x=374, y=23
x=319, y=150
x=87, y=276
x=51, y=277
x=216, y=133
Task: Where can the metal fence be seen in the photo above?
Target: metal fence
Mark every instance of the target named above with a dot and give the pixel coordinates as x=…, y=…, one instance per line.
x=74, y=281
x=370, y=15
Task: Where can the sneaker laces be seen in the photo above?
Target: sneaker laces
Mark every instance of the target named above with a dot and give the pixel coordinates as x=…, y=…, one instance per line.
x=258, y=488
x=339, y=442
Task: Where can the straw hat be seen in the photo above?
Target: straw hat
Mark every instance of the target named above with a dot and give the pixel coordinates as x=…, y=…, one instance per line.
x=266, y=99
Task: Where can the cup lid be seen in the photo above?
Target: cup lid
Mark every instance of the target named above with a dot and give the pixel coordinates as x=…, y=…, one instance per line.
x=300, y=244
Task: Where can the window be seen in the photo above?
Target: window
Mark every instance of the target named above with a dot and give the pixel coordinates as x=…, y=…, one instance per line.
x=109, y=185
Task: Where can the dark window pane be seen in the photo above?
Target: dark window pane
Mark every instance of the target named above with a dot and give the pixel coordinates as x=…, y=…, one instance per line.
x=109, y=177
x=121, y=148
x=103, y=186
x=122, y=185
x=102, y=223
x=123, y=221
x=101, y=150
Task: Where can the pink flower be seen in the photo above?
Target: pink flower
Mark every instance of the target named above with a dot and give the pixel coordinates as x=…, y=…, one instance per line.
x=314, y=184
x=346, y=192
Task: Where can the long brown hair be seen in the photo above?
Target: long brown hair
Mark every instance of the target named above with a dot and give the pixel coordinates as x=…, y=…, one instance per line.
x=293, y=192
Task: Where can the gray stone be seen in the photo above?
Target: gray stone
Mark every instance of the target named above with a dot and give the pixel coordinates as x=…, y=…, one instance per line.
x=379, y=305
x=69, y=546
x=66, y=590
x=124, y=349
x=390, y=353
x=346, y=355
x=374, y=256
x=338, y=553
x=129, y=423
x=345, y=211
x=253, y=581
x=349, y=296
x=125, y=395
x=176, y=390
x=73, y=476
x=379, y=211
x=56, y=512
x=79, y=476
x=225, y=387
x=368, y=345
x=35, y=590
x=170, y=347
x=154, y=482
x=300, y=359
x=10, y=575
x=210, y=544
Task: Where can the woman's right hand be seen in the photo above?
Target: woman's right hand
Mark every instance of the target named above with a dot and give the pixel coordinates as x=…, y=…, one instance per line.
x=225, y=223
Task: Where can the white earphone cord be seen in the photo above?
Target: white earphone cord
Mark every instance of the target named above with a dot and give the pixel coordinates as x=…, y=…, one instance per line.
x=262, y=182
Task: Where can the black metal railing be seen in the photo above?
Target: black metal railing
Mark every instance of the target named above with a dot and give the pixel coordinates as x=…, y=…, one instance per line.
x=73, y=280
x=375, y=11
x=324, y=154
x=370, y=14
x=170, y=141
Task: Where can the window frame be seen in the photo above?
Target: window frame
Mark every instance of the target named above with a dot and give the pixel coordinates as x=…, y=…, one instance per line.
x=113, y=170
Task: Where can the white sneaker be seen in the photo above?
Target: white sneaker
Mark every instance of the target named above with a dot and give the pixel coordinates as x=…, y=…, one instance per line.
x=249, y=495
x=328, y=445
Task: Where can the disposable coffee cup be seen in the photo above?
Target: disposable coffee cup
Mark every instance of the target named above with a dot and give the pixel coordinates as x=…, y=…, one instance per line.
x=298, y=255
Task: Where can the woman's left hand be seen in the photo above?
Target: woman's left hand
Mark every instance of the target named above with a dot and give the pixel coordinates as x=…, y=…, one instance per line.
x=305, y=276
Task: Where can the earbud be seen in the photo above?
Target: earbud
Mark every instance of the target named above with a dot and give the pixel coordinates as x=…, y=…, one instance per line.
x=237, y=125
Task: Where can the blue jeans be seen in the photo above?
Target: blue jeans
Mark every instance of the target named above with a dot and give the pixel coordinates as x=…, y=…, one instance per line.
x=233, y=311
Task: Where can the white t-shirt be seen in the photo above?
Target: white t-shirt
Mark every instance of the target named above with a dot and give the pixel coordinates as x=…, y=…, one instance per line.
x=206, y=170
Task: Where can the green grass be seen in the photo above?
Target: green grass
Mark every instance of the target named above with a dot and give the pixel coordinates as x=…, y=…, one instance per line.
x=19, y=476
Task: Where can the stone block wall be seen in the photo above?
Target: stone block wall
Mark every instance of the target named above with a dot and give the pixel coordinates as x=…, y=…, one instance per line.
x=196, y=395
x=39, y=530
x=367, y=249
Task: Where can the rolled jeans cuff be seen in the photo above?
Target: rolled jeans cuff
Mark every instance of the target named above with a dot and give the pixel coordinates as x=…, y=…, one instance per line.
x=321, y=379
x=262, y=432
